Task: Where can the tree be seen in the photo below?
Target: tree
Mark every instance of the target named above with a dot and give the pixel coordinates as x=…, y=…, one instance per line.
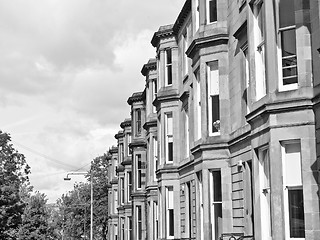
x=35, y=222
x=75, y=205
x=99, y=168
x=14, y=186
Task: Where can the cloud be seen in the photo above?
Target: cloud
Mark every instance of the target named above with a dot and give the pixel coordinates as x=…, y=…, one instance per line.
x=67, y=70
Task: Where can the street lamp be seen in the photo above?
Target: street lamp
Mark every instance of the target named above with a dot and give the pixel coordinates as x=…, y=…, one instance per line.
x=67, y=178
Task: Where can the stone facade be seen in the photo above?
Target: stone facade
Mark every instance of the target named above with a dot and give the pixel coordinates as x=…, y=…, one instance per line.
x=225, y=135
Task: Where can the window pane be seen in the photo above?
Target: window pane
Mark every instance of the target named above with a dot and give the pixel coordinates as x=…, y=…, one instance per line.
x=293, y=165
x=170, y=151
x=171, y=222
x=286, y=13
x=217, y=195
x=218, y=219
x=169, y=73
x=296, y=213
x=213, y=10
x=215, y=113
x=169, y=56
x=288, y=44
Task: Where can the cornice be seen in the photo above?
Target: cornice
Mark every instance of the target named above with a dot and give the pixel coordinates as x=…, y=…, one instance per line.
x=127, y=161
x=113, y=150
x=126, y=123
x=207, y=41
x=136, y=97
x=150, y=123
x=151, y=65
x=281, y=106
x=163, y=32
x=186, y=9
x=166, y=95
x=138, y=143
x=120, y=134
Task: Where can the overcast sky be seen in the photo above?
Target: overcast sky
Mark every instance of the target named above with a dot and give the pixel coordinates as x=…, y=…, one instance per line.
x=67, y=70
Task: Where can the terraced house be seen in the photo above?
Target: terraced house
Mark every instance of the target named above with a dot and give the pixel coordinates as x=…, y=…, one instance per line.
x=225, y=140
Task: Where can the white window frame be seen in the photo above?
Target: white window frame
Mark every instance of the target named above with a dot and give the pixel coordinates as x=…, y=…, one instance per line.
x=129, y=228
x=167, y=66
x=197, y=14
x=169, y=207
x=213, y=203
x=212, y=91
x=208, y=11
x=139, y=222
x=115, y=203
x=129, y=183
x=298, y=185
x=155, y=157
x=197, y=102
x=129, y=142
x=139, y=171
x=169, y=136
x=200, y=203
x=292, y=86
x=261, y=85
x=265, y=190
x=122, y=191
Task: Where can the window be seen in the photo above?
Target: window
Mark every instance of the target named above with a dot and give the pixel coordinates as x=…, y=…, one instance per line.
x=186, y=132
x=115, y=206
x=213, y=98
x=184, y=55
x=129, y=142
x=168, y=67
x=216, y=203
x=293, y=192
x=139, y=171
x=115, y=231
x=122, y=234
x=197, y=101
x=287, y=35
x=200, y=203
x=156, y=220
x=139, y=222
x=197, y=15
x=122, y=190
x=170, y=212
x=129, y=234
x=211, y=11
x=155, y=157
x=121, y=152
x=138, y=122
x=258, y=9
x=129, y=180
x=169, y=137
x=155, y=91
x=264, y=178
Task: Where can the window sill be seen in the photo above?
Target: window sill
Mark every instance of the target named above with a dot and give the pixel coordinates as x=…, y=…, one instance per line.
x=289, y=87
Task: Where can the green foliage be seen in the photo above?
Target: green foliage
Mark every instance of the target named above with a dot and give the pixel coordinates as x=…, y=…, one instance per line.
x=35, y=223
x=74, y=207
x=14, y=187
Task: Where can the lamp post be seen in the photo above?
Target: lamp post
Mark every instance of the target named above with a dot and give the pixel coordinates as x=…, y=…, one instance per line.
x=67, y=178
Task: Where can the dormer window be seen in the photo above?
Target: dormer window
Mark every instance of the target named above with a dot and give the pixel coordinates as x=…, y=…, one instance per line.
x=168, y=64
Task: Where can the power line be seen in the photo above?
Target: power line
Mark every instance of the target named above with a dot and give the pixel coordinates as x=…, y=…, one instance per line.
x=45, y=156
